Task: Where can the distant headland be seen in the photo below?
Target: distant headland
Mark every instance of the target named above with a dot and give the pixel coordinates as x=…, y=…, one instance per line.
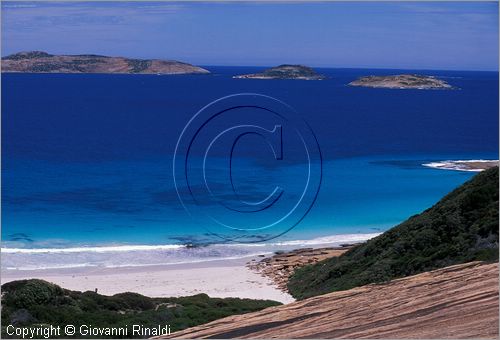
x=402, y=81
x=475, y=165
x=42, y=62
x=285, y=72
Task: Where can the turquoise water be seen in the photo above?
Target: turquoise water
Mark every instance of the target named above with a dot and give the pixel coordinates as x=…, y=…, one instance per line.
x=124, y=202
x=87, y=163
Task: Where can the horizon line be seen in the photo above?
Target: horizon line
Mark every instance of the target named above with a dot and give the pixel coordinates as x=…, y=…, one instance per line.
x=354, y=67
x=266, y=66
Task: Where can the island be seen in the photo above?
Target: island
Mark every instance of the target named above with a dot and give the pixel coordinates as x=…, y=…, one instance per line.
x=285, y=72
x=43, y=62
x=402, y=81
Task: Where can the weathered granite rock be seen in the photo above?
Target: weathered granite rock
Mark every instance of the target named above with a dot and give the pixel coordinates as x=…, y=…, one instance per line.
x=460, y=301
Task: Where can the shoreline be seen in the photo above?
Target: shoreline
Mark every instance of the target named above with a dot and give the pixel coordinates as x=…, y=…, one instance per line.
x=222, y=278
x=253, y=277
x=88, y=269
x=142, y=256
x=125, y=247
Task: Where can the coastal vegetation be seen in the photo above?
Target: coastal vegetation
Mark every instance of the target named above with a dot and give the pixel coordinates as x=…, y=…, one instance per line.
x=461, y=227
x=138, y=65
x=43, y=62
x=285, y=72
x=37, y=303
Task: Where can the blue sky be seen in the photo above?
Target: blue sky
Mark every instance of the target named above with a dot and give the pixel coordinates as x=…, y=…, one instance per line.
x=437, y=35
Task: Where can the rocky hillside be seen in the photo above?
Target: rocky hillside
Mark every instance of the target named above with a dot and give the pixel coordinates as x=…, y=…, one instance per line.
x=460, y=301
x=42, y=62
x=461, y=227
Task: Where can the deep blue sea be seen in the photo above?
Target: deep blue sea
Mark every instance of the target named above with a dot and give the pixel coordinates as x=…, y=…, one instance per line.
x=87, y=162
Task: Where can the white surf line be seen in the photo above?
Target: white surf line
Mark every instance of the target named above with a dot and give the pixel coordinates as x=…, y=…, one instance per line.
x=459, y=165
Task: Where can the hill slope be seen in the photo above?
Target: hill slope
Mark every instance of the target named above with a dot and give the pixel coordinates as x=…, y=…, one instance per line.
x=42, y=62
x=461, y=227
x=454, y=302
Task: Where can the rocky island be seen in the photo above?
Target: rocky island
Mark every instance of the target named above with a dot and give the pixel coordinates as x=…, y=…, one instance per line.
x=402, y=81
x=285, y=72
x=42, y=62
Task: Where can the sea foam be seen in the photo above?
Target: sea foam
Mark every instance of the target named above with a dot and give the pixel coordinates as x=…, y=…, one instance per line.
x=153, y=255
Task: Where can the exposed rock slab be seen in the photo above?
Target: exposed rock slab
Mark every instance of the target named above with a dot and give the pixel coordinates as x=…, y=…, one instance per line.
x=460, y=301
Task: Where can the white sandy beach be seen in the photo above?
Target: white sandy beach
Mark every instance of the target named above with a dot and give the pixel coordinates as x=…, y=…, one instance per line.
x=224, y=278
x=145, y=269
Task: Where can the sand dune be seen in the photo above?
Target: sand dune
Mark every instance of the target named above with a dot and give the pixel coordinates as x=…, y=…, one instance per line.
x=460, y=301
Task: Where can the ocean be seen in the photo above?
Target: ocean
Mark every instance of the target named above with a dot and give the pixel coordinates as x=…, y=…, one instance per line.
x=87, y=163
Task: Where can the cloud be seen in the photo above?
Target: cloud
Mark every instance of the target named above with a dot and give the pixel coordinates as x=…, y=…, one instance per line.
x=65, y=15
x=10, y=5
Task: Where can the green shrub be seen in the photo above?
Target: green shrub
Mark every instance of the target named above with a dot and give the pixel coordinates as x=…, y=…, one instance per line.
x=31, y=292
x=41, y=302
x=462, y=227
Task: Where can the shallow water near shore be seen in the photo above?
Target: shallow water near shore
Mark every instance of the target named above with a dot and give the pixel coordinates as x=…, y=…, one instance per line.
x=87, y=162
